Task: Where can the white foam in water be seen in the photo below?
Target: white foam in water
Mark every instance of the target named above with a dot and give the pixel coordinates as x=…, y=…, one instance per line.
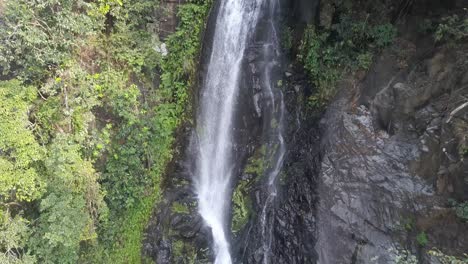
x=236, y=20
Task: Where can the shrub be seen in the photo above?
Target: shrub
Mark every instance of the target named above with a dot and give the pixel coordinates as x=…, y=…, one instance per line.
x=349, y=45
x=38, y=36
x=446, y=259
x=452, y=28
x=421, y=238
x=404, y=256
x=461, y=209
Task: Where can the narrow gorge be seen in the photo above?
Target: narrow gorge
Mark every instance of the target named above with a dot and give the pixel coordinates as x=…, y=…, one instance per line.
x=234, y=131
x=265, y=175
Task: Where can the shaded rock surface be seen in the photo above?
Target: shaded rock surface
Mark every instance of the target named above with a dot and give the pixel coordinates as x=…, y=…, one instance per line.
x=391, y=157
x=291, y=217
x=168, y=12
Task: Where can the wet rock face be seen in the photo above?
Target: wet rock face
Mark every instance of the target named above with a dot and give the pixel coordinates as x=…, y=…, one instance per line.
x=305, y=11
x=391, y=155
x=175, y=232
x=365, y=185
x=292, y=217
x=295, y=222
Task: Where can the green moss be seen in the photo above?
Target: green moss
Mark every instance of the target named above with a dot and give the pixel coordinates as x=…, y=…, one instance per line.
x=422, y=239
x=256, y=164
x=177, y=248
x=242, y=206
x=406, y=224
x=279, y=83
x=464, y=151
x=274, y=123
x=180, y=208
x=254, y=170
x=183, y=252
x=147, y=260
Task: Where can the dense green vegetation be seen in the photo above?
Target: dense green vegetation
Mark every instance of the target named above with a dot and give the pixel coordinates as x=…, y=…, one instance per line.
x=348, y=45
x=89, y=107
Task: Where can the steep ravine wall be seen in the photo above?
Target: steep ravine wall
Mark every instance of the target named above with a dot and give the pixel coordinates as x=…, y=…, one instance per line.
x=176, y=233
x=362, y=179
x=391, y=151
x=291, y=216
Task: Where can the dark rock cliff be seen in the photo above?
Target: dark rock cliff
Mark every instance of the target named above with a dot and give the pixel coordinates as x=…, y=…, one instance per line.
x=362, y=180
x=391, y=152
x=291, y=217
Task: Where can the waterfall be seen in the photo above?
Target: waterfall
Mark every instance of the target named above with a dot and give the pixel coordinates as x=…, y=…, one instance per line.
x=235, y=22
x=275, y=139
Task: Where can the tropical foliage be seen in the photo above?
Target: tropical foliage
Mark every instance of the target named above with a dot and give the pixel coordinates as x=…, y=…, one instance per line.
x=86, y=130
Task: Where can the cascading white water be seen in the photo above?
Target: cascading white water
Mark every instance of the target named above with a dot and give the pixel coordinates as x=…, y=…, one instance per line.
x=235, y=22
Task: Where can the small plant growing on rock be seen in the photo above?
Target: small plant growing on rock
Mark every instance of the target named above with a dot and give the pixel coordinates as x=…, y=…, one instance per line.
x=180, y=208
x=403, y=256
x=383, y=35
x=421, y=238
x=365, y=60
x=452, y=28
x=286, y=38
x=461, y=209
x=464, y=152
x=445, y=259
x=347, y=46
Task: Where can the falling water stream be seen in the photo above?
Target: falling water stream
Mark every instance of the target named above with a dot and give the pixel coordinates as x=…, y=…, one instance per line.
x=236, y=21
x=275, y=141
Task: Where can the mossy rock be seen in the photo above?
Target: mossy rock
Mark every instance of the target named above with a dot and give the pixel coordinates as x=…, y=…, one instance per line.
x=180, y=208
x=183, y=252
x=256, y=164
x=241, y=206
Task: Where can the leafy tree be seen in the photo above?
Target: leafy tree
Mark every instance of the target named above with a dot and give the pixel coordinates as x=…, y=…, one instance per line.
x=19, y=151
x=20, y=181
x=39, y=35
x=67, y=104
x=60, y=228
x=92, y=117
x=72, y=207
x=14, y=232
